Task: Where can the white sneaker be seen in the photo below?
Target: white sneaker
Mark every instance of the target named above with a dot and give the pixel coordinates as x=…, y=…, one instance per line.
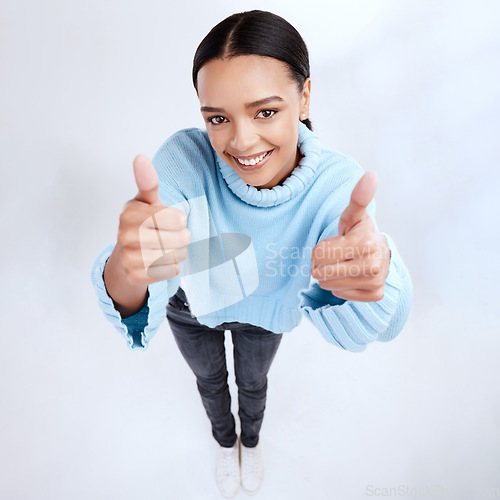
x=252, y=468
x=228, y=470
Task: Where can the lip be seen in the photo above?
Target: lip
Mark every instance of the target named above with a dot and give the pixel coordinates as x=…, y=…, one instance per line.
x=247, y=168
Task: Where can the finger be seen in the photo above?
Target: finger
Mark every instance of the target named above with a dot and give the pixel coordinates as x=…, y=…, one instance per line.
x=359, y=295
x=161, y=242
x=151, y=257
x=329, y=251
x=155, y=240
x=355, y=282
x=163, y=257
x=336, y=249
x=157, y=274
x=361, y=196
x=343, y=270
x=163, y=272
x=166, y=219
x=147, y=181
x=170, y=219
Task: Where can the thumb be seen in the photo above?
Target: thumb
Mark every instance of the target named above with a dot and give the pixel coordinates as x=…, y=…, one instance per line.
x=361, y=196
x=147, y=181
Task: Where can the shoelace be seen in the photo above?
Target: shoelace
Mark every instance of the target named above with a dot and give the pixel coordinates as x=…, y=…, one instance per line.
x=229, y=463
x=251, y=461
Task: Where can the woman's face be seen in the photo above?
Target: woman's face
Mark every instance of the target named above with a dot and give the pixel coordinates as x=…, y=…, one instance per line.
x=252, y=110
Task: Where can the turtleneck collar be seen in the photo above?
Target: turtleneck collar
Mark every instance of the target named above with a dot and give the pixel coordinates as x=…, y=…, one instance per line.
x=300, y=177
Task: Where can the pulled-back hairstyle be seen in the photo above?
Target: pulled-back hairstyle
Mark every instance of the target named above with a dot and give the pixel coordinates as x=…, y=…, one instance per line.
x=256, y=32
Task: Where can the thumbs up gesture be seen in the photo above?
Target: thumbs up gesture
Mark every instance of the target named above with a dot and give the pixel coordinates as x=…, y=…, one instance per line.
x=354, y=264
x=152, y=239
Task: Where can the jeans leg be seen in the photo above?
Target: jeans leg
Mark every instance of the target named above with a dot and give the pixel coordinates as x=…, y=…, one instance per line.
x=254, y=351
x=203, y=349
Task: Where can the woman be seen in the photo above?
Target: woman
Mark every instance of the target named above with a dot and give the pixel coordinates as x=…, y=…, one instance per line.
x=262, y=224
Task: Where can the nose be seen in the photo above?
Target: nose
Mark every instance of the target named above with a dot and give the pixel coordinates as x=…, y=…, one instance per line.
x=243, y=136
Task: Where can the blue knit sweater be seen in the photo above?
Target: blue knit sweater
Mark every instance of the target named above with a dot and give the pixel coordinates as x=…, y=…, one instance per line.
x=250, y=252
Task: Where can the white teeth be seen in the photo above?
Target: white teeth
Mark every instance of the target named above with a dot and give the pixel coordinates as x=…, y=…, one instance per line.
x=253, y=161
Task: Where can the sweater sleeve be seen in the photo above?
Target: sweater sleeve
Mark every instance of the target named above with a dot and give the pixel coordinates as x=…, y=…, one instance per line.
x=139, y=328
x=170, y=161
x=352, y=325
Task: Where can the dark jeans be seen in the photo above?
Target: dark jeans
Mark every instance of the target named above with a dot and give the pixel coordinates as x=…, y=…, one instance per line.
x=203, y=349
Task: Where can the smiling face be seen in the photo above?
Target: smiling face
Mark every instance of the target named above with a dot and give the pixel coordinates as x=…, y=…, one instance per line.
x=252, y=109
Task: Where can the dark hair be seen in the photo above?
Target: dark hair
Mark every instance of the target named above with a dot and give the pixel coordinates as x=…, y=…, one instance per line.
x=256, y=32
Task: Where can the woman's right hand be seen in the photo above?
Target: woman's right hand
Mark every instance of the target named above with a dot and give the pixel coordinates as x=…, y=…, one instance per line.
x=152, y=239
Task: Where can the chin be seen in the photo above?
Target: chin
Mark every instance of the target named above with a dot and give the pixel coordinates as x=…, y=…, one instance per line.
x=267, y=184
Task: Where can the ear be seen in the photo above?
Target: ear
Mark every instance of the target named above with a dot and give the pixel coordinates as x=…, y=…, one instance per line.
x=305, y=99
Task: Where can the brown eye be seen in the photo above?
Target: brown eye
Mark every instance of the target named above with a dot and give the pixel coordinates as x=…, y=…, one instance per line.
x=216, y=120
x=267, y=113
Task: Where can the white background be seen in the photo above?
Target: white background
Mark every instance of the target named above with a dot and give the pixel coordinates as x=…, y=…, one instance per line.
x=408, y=88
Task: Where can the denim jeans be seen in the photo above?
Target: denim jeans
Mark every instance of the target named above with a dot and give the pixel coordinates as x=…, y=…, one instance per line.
x=203, y=348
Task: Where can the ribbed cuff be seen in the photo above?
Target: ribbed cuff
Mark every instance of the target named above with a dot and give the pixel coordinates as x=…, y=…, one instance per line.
x=351, y=325
x=139, y=328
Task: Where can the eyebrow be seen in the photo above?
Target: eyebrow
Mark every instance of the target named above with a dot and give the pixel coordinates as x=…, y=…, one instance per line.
x=249, y=105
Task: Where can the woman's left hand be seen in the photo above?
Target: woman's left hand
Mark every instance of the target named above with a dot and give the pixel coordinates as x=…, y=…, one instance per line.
x=354, y=264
